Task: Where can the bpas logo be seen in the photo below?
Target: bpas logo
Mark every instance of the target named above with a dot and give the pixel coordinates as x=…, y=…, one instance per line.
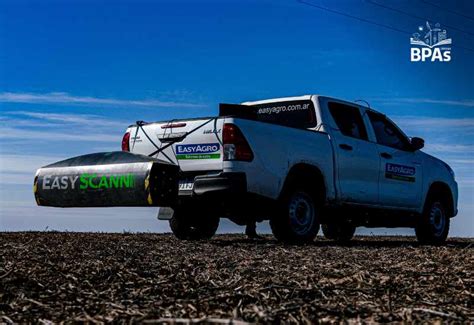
x=431, y=44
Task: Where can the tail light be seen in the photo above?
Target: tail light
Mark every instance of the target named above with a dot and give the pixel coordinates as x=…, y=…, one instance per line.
x=126, y=142
x=236, y=146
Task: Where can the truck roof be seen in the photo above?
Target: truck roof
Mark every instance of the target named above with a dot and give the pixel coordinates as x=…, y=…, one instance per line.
x=306, y=97
x=272, y=100
x=280, y=99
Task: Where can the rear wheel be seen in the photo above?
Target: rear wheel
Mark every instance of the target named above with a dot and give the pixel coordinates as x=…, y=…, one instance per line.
x=297, y=218
x=341, y=232
x=193, y=225
x=433, y=226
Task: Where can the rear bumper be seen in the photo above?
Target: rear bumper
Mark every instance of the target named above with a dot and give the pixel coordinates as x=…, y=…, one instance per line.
x=225, y=183
x=225, y=195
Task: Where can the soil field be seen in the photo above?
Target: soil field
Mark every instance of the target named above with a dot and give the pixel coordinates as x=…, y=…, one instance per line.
x=53, y=276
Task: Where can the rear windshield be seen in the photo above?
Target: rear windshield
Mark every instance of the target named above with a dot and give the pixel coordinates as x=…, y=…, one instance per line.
x=297, y=114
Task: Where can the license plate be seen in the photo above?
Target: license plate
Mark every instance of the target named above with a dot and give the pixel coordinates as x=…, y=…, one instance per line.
x=186, y=185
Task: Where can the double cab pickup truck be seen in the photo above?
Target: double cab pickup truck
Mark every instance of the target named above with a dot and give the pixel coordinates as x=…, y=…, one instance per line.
x=303, y=163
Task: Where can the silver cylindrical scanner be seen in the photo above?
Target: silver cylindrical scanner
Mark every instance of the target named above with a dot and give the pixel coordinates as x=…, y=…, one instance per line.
x=106, y=180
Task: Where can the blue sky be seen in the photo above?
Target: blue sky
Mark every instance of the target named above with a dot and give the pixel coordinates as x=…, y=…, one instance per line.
x=74, y=74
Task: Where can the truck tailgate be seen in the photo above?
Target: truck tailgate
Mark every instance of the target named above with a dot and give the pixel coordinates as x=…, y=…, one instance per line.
x=194, y=145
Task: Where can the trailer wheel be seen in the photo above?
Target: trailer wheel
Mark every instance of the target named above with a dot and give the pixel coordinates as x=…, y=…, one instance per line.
x=340, y=232
x=193, y=225
x=297, y=218
x=433, y=226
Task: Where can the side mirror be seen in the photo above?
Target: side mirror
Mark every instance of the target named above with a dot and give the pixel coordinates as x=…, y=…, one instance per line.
x=417, y=143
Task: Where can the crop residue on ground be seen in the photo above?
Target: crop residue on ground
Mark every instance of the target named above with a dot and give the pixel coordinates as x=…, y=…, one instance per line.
x=153, y=277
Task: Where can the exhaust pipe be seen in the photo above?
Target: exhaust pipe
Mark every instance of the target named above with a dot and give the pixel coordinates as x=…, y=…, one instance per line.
x=107, y=179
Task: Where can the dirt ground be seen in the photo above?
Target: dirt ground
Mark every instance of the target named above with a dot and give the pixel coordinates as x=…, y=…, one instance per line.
x=53, y=276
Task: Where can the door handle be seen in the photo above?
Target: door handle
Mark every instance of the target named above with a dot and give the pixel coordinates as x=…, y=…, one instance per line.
x=345, y=146
x=386, y=155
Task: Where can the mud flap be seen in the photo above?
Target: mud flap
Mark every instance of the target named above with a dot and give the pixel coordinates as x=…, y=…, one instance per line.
x=165, y=213
x=107, y=179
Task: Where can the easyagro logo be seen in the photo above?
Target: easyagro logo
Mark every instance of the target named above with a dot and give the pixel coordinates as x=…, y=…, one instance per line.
x=198, y=151
x=430, y=43
x=400, y=172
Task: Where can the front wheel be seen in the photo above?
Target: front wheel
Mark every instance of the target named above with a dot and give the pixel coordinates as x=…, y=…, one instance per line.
x=297, y=218
x=193, y=225
x=433, y=226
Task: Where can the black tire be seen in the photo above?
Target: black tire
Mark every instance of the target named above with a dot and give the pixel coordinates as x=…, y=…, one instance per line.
x=193, y=225
x=433, y=226
x=297, y=218
x=340, y=232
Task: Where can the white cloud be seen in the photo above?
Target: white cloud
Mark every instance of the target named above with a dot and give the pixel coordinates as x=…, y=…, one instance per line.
x=80, y=119
x=401, y=100
x=25, y=163
x=23, y=134
x=463, y=161
x=7, y=121
x=21, y=169
x=17, y=179
x=450, y=148
x=434, y=123
x=65, y=98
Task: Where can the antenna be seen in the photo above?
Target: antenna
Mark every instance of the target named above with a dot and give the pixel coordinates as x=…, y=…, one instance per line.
x=363, y=101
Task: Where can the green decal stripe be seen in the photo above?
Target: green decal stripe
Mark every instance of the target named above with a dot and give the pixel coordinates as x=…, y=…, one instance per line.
x=400, y=178
x=94, y=181
x=199, y=156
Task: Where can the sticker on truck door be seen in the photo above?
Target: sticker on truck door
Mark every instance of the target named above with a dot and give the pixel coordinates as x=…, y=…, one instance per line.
x=198, y=151
x=400, y=172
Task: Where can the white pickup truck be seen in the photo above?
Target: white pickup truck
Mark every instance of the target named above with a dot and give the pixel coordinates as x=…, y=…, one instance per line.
x=303, y=163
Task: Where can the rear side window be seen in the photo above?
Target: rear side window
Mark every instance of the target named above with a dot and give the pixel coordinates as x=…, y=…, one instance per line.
x=387, y=133
x=348, y=120
x=296, y=114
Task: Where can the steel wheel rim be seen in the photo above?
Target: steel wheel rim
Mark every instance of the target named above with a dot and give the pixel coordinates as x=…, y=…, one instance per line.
x=437, y=218
x=301, y=213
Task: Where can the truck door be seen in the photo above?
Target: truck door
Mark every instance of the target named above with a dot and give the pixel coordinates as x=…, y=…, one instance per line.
x=357, y=159
x=400, y=167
